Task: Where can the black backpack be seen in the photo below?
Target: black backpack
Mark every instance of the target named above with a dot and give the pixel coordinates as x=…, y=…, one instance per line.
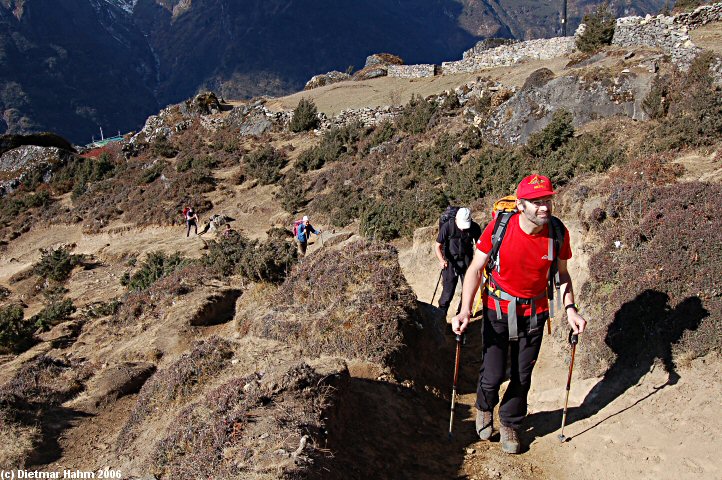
x=448, y=214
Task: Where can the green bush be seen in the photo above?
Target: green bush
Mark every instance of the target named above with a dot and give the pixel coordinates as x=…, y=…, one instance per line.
x=101, y=309
x=655, y=104
x=54, y=313
x=56, y=264
x=304, y=116
x=337, y=143
x=190, y=162
x=156, y=266
x=15, y=332
x=416, y=115
x=599, y=29
x=265, y=164
x=163, y=148
x=383, y=132
x=291, y=195
x=586, y=153
x=257, y=261
x=401, y=213
x=75, y=175
x=553, y=136
x=154, y=171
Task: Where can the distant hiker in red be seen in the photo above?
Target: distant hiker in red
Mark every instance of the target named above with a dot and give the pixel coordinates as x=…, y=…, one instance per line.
x=191, y=220
x=303, y=231
x=516, y=304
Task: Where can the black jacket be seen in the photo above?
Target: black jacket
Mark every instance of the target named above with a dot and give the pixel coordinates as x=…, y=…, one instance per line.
x=459, y=244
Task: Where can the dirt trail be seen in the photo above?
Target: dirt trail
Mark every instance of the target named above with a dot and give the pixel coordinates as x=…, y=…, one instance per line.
x=652, y=430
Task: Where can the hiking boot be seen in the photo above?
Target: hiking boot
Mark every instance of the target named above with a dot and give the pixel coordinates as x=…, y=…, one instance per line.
x=509, y=440
x=484, y=424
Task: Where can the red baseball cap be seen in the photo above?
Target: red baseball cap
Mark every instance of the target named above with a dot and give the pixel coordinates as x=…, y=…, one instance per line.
x=534, y=186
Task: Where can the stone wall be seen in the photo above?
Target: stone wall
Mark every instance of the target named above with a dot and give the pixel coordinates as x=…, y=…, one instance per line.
x=505, y=55
x=411, y=71
x=659, y=32
x=700, y=16
x=667, y=33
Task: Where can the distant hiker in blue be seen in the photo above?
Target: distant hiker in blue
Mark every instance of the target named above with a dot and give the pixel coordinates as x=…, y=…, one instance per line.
x=305, y=229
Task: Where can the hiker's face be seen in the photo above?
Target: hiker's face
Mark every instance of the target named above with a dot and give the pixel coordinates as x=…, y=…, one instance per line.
x=537, y=211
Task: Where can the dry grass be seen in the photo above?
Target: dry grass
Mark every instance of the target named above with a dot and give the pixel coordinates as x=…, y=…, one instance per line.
x=177, y=383
x=708, y=37
x=18, y=443
x=658, y=292
x=353, y=303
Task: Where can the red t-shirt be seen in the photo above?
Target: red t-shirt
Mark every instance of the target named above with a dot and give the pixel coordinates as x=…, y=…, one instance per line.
x=523, y=263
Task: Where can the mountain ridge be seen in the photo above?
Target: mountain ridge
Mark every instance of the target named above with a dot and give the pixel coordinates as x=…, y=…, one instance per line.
x=71, y=67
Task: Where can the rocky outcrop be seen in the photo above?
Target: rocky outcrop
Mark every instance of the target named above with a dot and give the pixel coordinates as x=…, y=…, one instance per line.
x=46, y=139
x=18, y=163
x=383, y=59
x=205, y=103
x=254, y=119
x=531, y=109
x=326, y=79
x=377, y=65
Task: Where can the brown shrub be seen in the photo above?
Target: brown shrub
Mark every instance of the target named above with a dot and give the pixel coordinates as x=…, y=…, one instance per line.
x=351, y=303
x=219, y=435
x=656, y=283
x=177, y=382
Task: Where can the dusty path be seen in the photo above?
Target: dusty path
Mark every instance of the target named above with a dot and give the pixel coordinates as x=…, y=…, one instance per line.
x=652, y=430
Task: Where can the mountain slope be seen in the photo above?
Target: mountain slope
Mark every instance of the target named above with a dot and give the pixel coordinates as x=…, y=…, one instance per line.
x=72, y=66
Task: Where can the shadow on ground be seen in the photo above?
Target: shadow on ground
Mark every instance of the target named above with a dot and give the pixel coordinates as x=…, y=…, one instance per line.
x=643, y=332
x=388, y=431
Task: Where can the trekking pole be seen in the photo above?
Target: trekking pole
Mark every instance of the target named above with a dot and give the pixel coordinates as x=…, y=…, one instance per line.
x=459, y=341
x=435, y=289
x=573, y=339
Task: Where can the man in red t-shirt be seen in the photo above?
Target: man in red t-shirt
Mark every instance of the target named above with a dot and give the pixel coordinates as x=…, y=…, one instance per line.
x=521, y=272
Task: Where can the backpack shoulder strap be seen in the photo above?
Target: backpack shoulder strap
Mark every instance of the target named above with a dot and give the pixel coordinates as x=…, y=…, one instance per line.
x=557, y=231
x=500, y=225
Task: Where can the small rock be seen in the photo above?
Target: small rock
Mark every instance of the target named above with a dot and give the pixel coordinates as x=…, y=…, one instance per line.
x=470, y=451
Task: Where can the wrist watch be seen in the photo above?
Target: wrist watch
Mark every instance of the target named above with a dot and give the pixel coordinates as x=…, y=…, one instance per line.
x=571, y=305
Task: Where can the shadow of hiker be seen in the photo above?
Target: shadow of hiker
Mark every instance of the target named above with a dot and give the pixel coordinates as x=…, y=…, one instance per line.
x=643, y=330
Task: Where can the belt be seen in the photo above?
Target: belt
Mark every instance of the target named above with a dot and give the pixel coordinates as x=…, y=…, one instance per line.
x=497, y=294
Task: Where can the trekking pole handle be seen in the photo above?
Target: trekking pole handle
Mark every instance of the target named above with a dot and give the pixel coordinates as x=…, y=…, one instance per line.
x=573, y=337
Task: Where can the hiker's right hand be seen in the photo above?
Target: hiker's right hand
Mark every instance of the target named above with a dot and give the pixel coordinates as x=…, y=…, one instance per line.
x=460, y=322
x=443, y=264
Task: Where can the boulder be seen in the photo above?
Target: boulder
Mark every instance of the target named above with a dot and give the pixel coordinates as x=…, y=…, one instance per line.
x=383, y=59
x=205, y=103
x=326, y=79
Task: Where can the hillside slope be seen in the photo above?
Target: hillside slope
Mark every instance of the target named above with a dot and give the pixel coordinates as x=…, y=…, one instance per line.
x=244, y=362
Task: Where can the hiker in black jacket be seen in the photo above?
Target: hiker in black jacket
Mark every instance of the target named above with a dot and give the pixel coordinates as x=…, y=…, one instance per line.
x=454, y=247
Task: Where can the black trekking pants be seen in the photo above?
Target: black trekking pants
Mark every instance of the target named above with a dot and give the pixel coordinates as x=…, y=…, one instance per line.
x=523, y=355
x=449, y=279
x=192, y=223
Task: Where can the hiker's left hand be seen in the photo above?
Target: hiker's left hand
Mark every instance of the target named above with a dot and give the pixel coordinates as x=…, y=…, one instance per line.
x=576, y=321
